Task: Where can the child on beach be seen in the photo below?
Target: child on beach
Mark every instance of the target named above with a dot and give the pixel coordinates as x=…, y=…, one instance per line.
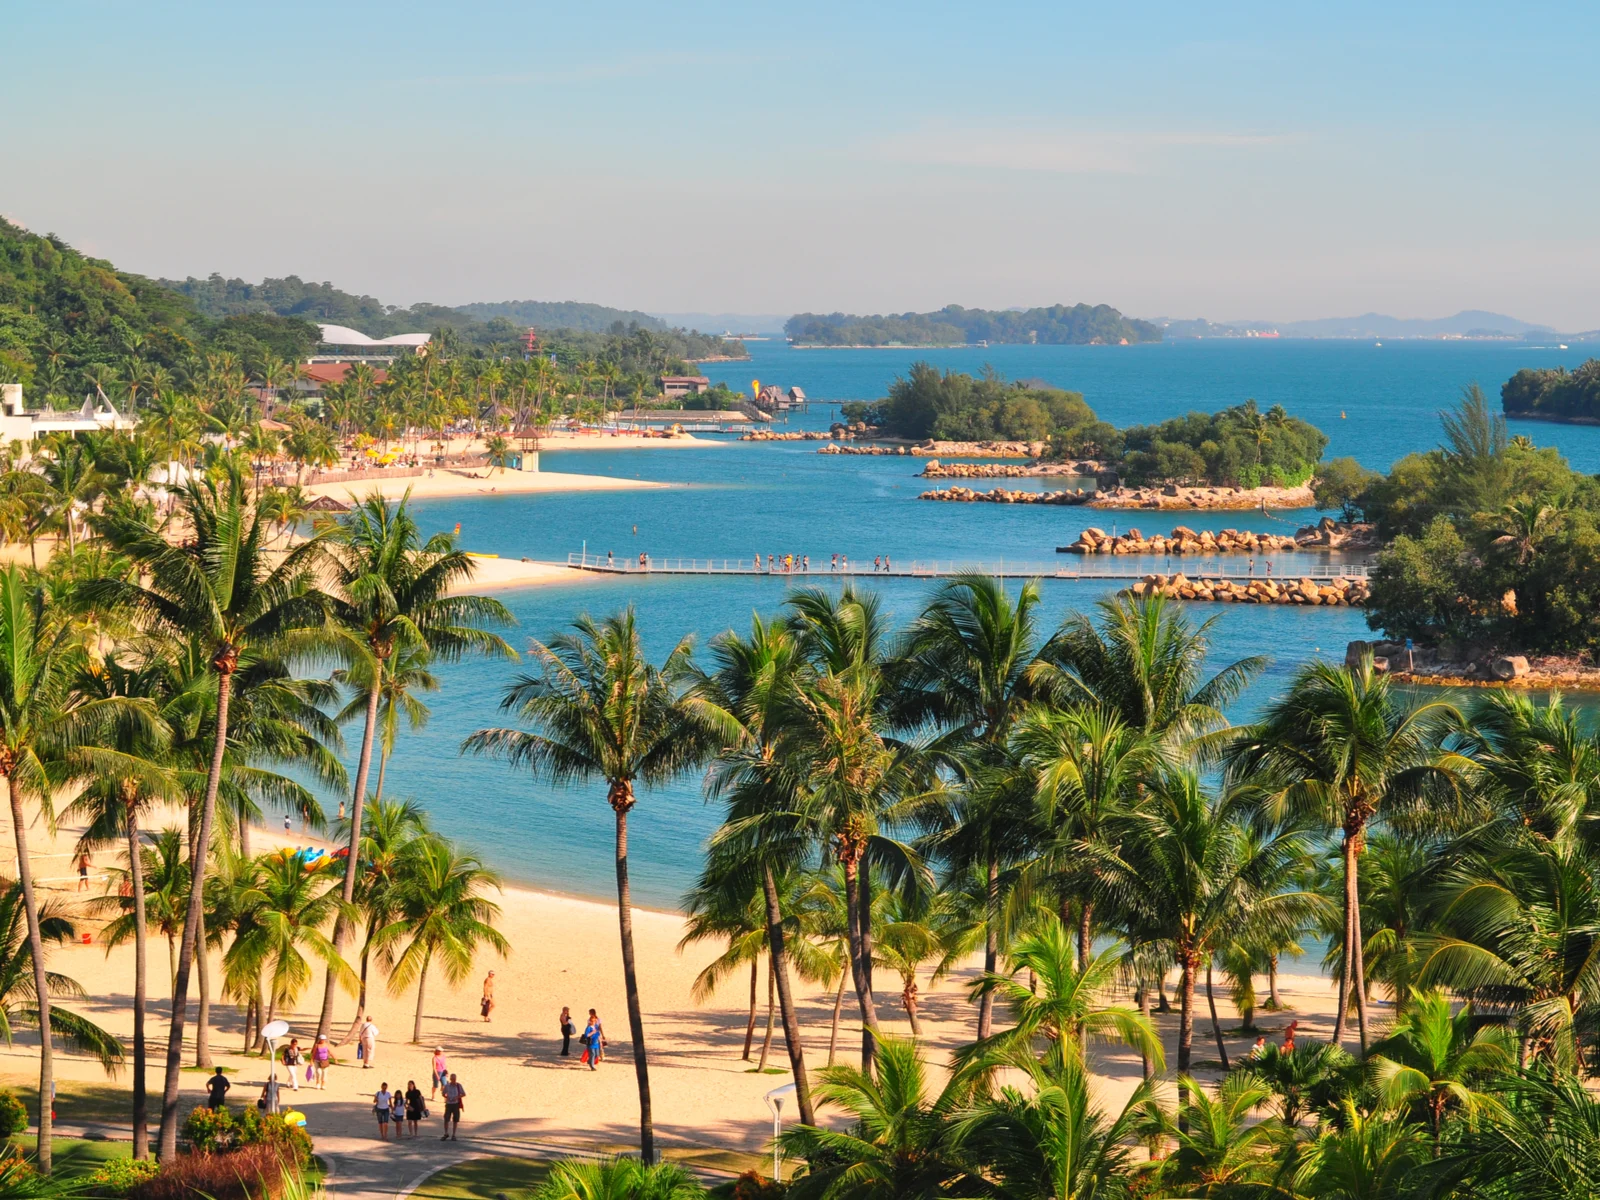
x=397, y=1112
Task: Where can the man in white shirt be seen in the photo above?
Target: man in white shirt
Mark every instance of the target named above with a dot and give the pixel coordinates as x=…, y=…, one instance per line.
x=368, y=1040
x=380, y=1106
x=454, y=1095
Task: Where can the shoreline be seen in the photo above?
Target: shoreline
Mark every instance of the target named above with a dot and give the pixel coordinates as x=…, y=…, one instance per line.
x=442, y=483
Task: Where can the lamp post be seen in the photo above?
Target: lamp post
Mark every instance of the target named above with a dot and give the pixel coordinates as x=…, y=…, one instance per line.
x=775, y=1099
x=271, y=1034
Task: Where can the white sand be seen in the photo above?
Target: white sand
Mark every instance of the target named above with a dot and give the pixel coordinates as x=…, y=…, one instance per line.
x=441, y=482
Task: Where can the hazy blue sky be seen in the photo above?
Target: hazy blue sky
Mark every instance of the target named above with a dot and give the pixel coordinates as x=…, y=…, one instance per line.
x=1227, y=160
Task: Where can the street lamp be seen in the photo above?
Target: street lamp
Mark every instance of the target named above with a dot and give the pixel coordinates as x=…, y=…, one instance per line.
x=775, y=1099
x=273, y=1031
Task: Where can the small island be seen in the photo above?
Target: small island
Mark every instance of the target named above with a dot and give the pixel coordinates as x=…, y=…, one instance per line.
x=1554, y=394
x=1056, y=325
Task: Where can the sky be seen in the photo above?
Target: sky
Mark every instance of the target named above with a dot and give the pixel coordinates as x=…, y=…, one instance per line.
x=1227, y=160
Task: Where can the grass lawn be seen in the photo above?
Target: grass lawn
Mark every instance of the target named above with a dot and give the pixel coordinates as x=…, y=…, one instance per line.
x=76, y=1156
x=483, y=1178
x=79, y=1101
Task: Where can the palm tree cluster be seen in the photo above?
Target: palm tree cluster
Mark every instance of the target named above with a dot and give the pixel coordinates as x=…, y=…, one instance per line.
x=1072, y=805
x=173, y=675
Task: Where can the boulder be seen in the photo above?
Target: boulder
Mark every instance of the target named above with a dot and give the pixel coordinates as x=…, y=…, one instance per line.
x=1508, y=667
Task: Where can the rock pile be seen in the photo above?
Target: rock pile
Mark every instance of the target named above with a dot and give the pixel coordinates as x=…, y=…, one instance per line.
x=1338, y=592
x=1339, y=535
x=775, y=435
x=942, y=470
x=1172, y=496
x=1182, y=540
x=870, y=451
x=1006, y=496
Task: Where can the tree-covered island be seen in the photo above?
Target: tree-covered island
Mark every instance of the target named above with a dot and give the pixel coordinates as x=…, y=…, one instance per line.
x=1554, y=394
x=1057, y=325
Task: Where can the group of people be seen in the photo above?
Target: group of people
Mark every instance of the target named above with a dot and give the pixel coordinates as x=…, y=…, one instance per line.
x=403, y=1108
x=785, y=564
x=592, y=1039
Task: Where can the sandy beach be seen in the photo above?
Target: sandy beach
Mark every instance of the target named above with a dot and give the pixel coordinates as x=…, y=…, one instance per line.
x=566, y=952
x=440, y=482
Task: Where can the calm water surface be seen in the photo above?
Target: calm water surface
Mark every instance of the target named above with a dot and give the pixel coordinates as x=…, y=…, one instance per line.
x=737, y=500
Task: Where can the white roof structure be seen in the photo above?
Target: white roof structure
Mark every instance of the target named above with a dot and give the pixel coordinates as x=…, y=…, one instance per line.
x=343, y=335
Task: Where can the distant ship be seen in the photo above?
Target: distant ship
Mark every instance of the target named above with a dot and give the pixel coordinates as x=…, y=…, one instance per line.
x=1563, y=346
x=1377, y=343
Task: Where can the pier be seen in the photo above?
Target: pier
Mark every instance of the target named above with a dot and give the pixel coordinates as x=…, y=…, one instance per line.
x=1110, y=572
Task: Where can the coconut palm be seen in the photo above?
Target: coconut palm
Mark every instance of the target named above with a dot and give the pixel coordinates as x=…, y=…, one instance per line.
x=1542, y=1143
x=388, y=831
x=601, y=711
x=618, y=1179
x=1361, y=1157
x=726, y=905
x=219, y=589
x=394, y=592
x=1309, y=1077
x=441, y=916
x=285, y=905
x=1433, y=1059
x=1341, y=747
x=403, y=676
x=1221, y=1151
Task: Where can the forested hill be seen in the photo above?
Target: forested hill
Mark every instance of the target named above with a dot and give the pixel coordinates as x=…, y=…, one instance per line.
x=562, y=314
x=1555, y=394
x=1059, y=325
x=292, y=296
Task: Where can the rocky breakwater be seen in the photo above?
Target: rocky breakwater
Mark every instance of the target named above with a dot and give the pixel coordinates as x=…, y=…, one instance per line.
x=1328, y=534
x=1475, y=666
x=936, y=469
x=965, y=495
x=1333, y=594
x=1182, y=540
x=1173, y=496
x=872, y=451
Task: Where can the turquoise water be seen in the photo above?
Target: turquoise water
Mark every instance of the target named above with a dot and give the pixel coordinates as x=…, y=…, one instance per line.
x=736, y=500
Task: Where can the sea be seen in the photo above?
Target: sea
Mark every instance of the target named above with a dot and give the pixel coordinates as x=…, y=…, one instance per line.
x=738, y=500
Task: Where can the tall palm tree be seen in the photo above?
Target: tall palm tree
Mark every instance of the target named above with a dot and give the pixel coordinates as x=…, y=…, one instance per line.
x=404, y=675
x=286, y=904
x=442, y=916
x=165, y=875
x=601, y=711
x=391, y=826
x=221, y=590
x=725, y=906
x=1543, y=1144
x=969, y=659
x=1342, y=747
x=392, y=593
x=48, y=737
x=111, y=806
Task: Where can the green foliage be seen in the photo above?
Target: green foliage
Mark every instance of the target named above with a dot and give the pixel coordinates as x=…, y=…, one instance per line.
x=210, y=1130
x=1240, y=446
x=119, y=1176
x=13, y=1114
x=1556, y=393
x=927, y=403
x=565, y=314
x=1080, y=324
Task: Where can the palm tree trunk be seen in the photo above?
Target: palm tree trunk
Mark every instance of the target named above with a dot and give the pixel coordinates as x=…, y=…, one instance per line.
x=383, y=766
x=1216, y=1025
x=141, y=1131
x=908, y=997
x=630, y=979
x=750, y=1025
x=422, y=985
x=1358, y=971
x=1350, y=903
x=202, y=973
x=168, y=1145
x=1185, y=1033
x=1144, y=1010
x=351, y=862
x=1272, y=983
x=791, y=1019
x=838, y=1003
x=41, y=987
x=772, y=999
x=858, y=888
x=991, y=946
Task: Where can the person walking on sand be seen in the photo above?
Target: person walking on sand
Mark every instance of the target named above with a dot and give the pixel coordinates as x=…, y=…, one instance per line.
x=217, y=1090
x=367, y=1043
x=292, y=1058
x=591, y=1054
x=83, y=871
x=454, y=1100
x=321, y=1056
x=486, y=1005
x=439, y=1073
x=416, y=1107
x=381, y=1108
x=567, y=1030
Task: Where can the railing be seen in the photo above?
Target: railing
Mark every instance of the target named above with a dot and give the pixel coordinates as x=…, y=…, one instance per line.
x=1214, y=568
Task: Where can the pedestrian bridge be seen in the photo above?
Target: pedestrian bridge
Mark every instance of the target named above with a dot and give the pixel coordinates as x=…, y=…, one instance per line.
x=1113, y=569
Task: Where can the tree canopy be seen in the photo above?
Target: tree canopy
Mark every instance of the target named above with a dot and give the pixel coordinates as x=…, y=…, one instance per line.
x=1057, y=325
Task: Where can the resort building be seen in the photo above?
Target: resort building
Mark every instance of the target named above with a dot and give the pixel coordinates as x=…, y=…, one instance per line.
x=18, y=424
x=341, y=344
x=313, y=380
x=684, y=385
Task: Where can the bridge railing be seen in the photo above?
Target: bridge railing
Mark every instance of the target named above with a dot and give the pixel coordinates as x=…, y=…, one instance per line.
x=1123, y=568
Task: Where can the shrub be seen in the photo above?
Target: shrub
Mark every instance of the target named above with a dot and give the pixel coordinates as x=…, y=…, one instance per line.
x=252, y=1173
x=753, y=1185
x=291, y=1142
x=120, y=1176
x=13, y=1114
x=211, y=1130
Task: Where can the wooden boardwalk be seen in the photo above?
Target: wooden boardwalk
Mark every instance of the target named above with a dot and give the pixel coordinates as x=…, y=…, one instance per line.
x=1069, y=567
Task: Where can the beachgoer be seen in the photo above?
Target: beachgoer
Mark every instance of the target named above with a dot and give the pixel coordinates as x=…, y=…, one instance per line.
x=341, y=810
x=382, y=1105
x=599, y=1036
x=769, y=564
x=454, y=1097
x=439, y=1070
x=834, y=565
x=805, y=563
x=286, y=822
x=611, y=559
x=486, y=1005
x=590, y=1039
x=567, y=1030
x=367, y=1042
x=877, y=562
x=292, y=1058
x=1288, y=1035
x=321, y=1056
x=217, y=1090
x=1259, y=1048
x=844, y=562
x=886, y=566
x=1252, y=567
x=416, y=1106
x=83, y=872
x=397, y=1112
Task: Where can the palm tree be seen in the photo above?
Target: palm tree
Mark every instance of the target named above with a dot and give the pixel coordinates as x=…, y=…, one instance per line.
x=969, y=659
x=1342, y=747
x=1524, y=524
x=1221, y=1150
x=405, y=674
x=111, y=806
x=1543, y=1143
x=441, y=916
x=165, y=875
x=1364, y=1156
x=286, y=903
x=394, y=593
x=726, y=905
x=600, y=710
x=387, y=833
x=618, y=1179
x=899, y=1141
x=1309, y=1077
x=1062, y=1009
x=218, y=589
x=69, y=472
x=1432, y=1060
